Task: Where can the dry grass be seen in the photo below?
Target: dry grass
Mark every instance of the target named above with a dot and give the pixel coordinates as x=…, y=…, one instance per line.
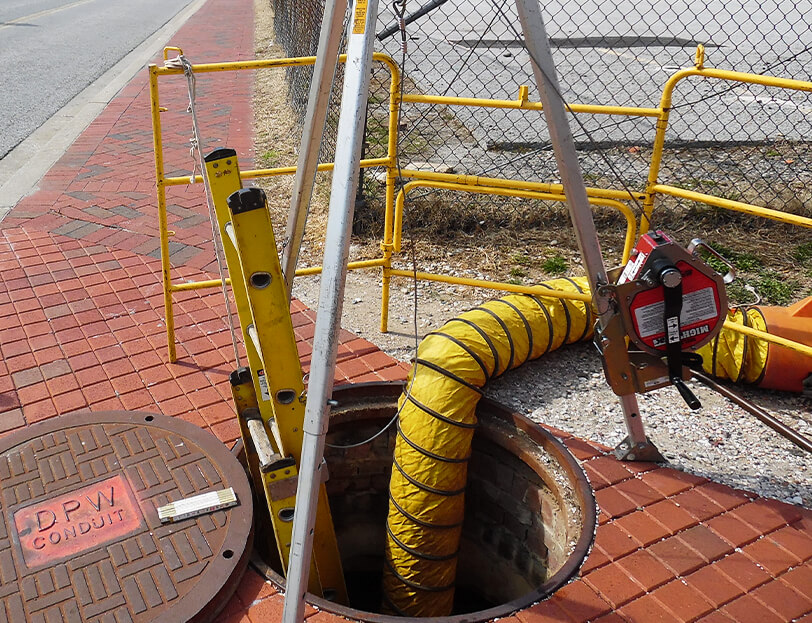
x=276, y=141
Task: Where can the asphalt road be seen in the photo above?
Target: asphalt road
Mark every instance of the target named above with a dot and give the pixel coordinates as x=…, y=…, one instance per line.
x=52, y=49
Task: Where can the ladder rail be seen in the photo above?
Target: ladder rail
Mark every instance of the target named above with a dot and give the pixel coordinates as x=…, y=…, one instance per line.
x=274, y=380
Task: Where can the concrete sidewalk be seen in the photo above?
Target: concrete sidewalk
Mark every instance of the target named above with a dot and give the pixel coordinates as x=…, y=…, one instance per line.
x=83, y=329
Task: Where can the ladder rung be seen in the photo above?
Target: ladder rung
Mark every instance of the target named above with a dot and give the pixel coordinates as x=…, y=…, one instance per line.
x=262, y=444
x=252, y=333
x=229, y=229
x=274, y=426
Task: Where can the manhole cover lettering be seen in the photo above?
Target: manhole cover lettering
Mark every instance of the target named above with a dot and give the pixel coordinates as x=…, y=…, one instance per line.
x=75, y=522
x=80, y=538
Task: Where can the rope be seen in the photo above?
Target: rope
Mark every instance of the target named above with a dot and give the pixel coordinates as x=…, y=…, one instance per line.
x=182, y=62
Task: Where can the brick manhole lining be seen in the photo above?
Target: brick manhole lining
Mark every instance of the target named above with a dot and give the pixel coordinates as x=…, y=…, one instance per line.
x=81, y=540
x=508, y=560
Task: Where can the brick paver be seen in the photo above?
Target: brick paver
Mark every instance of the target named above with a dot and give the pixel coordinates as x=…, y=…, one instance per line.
x=82, y=328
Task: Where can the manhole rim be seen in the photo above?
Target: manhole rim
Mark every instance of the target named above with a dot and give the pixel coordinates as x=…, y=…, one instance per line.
x=583, y=492
x=201, y=605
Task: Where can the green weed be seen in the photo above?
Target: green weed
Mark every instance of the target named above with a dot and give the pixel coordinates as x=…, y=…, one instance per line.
x=555, y=265
x=270, y=158
x=803, y=253
x=775, y=289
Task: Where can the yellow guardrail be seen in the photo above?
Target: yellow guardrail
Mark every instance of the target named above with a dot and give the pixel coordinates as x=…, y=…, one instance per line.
x=393, y=211
x=652, y=184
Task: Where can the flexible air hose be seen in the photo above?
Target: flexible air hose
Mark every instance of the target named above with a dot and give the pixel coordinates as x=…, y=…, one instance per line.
x=734, y=356
x=435, y=428
x=437, y=422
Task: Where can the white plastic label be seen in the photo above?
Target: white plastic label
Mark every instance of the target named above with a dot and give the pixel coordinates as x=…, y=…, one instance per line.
x=263, y=385
x=632, y=268
x=696, y=306
x=672, y=329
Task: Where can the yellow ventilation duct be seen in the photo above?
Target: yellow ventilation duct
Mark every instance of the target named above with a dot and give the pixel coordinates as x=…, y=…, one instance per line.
x=436, y=424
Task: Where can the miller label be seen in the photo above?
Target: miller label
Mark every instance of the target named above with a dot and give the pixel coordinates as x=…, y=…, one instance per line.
x=359, y=21
x=75, y=522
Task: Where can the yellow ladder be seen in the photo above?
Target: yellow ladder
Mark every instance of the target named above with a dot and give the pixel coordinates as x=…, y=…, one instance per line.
x=269, y=394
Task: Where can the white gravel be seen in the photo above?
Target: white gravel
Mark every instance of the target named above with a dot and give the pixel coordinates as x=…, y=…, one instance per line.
x=566, y=389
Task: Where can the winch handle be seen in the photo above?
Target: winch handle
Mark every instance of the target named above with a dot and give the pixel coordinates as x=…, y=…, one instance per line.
x=687, y=395
x=698, y=243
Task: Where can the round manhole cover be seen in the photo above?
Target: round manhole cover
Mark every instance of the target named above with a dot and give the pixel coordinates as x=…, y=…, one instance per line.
x=81, y=540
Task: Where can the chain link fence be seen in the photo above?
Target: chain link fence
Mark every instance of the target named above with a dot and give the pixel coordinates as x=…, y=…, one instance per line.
x=743, y=142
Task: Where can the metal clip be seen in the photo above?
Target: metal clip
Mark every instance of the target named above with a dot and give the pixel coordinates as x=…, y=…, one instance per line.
x=698, y=243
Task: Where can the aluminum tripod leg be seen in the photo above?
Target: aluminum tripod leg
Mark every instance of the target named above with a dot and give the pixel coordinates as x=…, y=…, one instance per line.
x=317, y=102
x=541, y=59
x=331, y=295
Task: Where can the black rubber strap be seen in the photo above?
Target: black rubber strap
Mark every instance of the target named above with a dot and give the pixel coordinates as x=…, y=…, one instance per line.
x=418, y=553
x=587, y=308
x=464, y=347
x=427, y=488
x=550, y=328
x=392, y=606
x=566, y=314
x=415, y=585
x=526, y=327
x=509, y=337
x=764, y=368
x=420, y=522
x=673, y=342
x=433, y=366
x=431, y=455
x=487, y=339
x=440, y=417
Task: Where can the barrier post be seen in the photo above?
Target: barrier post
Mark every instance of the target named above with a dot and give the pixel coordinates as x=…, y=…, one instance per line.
x=392, y=178
x=163, y=228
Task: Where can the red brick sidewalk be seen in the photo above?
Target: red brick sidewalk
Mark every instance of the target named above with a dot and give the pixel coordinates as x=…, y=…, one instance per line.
x=83, y=328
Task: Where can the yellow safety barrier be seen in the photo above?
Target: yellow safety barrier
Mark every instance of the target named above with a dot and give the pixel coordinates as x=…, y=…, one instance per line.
x=390, y=244
x=653, y=186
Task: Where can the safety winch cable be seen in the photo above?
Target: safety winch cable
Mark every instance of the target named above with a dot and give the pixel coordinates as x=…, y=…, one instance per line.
x=191, y=82
x=460, y=68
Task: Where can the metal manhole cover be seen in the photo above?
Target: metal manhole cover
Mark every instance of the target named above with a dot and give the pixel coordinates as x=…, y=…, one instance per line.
x=81, y=540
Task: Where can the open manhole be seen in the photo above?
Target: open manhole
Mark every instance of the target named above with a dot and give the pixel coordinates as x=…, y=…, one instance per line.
x=529, y=516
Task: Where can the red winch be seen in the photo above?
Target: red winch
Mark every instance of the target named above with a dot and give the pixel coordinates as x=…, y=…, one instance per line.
x=670, y=302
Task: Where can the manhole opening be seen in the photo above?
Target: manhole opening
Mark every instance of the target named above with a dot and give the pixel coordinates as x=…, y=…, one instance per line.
x=529, y=515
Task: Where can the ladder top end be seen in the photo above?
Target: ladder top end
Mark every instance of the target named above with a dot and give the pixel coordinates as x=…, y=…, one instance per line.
x=246, y=199
x=220, y=153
